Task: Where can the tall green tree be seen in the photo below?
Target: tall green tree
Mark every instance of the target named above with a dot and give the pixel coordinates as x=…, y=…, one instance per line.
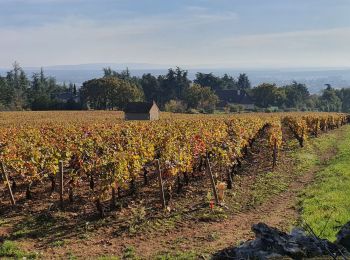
x=329, y=101
x=173, y=84
x=208, y=80
x=214, y=82
x=228, y=82
x=243, y=82
x=266, y=95
x=7, y=94
x=124, y=75
x=296, y=95
x=18, y=82
x=344, y=95
x=109, y=93
x=199, y=97
x=43, y=91
x=151, y=88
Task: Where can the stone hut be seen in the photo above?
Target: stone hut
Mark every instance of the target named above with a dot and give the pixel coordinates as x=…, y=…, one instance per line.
x=142, y=111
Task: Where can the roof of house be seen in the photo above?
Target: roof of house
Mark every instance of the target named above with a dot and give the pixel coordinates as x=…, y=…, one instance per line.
x=234, y=96
x=138, y=107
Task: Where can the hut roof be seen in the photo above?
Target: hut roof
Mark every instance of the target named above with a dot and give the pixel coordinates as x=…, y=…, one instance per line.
x=138, y=107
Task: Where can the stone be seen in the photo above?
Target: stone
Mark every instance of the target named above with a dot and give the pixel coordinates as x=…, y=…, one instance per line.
x=343, y=236
x=271, y=243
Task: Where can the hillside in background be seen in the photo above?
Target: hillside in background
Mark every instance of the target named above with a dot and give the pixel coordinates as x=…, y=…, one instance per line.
x=314, y=78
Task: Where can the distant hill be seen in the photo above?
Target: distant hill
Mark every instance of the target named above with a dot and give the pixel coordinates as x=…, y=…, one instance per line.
x=313, y=78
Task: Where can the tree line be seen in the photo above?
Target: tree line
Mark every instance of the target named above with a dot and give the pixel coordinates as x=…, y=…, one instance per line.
x=173, y=91
x=297, y=97
x=39, y=92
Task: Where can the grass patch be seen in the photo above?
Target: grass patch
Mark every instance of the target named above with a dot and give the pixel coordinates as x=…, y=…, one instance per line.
x=130, y=254
x=108, y=258
x=211, y=215
x=325, y=204
x=58, y=243
x=71, y=256
x=39, y=226
x=267, y=185
x=152, y=225
x=315, y=151
x=10, y=249
x=177, y=256
x=304, y=159
x=3, y=222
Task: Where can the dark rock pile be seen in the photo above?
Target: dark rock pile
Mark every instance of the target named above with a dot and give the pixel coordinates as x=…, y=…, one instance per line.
x=270, y=243
x=343, y=236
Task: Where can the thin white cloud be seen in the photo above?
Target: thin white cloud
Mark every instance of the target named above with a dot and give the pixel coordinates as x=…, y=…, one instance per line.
x=193, y=8
x=206, y=15
x=38, y=1
x=330, y=47
x=224, y=16
x=170, y=40
x=254, y=39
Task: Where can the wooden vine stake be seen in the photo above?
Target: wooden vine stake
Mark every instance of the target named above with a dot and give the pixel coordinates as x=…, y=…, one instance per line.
x=13, y=202
x=113, y=200
x=61, y=176
x=210, y=173
x=161, y=186
x=274, y=163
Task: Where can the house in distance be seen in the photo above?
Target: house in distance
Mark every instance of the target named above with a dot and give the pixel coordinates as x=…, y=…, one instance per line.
x=236, y=97
x=141, y=111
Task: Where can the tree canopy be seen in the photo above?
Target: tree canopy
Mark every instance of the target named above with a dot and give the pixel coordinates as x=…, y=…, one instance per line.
x=19, y=92
x=109, y=93
x=173, y=90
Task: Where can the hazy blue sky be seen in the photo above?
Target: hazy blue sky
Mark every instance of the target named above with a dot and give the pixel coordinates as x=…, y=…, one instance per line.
x=208, y=33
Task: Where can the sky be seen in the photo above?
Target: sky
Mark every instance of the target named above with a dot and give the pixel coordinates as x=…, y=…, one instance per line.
x=190, y=33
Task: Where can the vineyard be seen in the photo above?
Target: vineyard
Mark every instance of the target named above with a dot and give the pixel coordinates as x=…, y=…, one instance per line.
x=104, y=158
